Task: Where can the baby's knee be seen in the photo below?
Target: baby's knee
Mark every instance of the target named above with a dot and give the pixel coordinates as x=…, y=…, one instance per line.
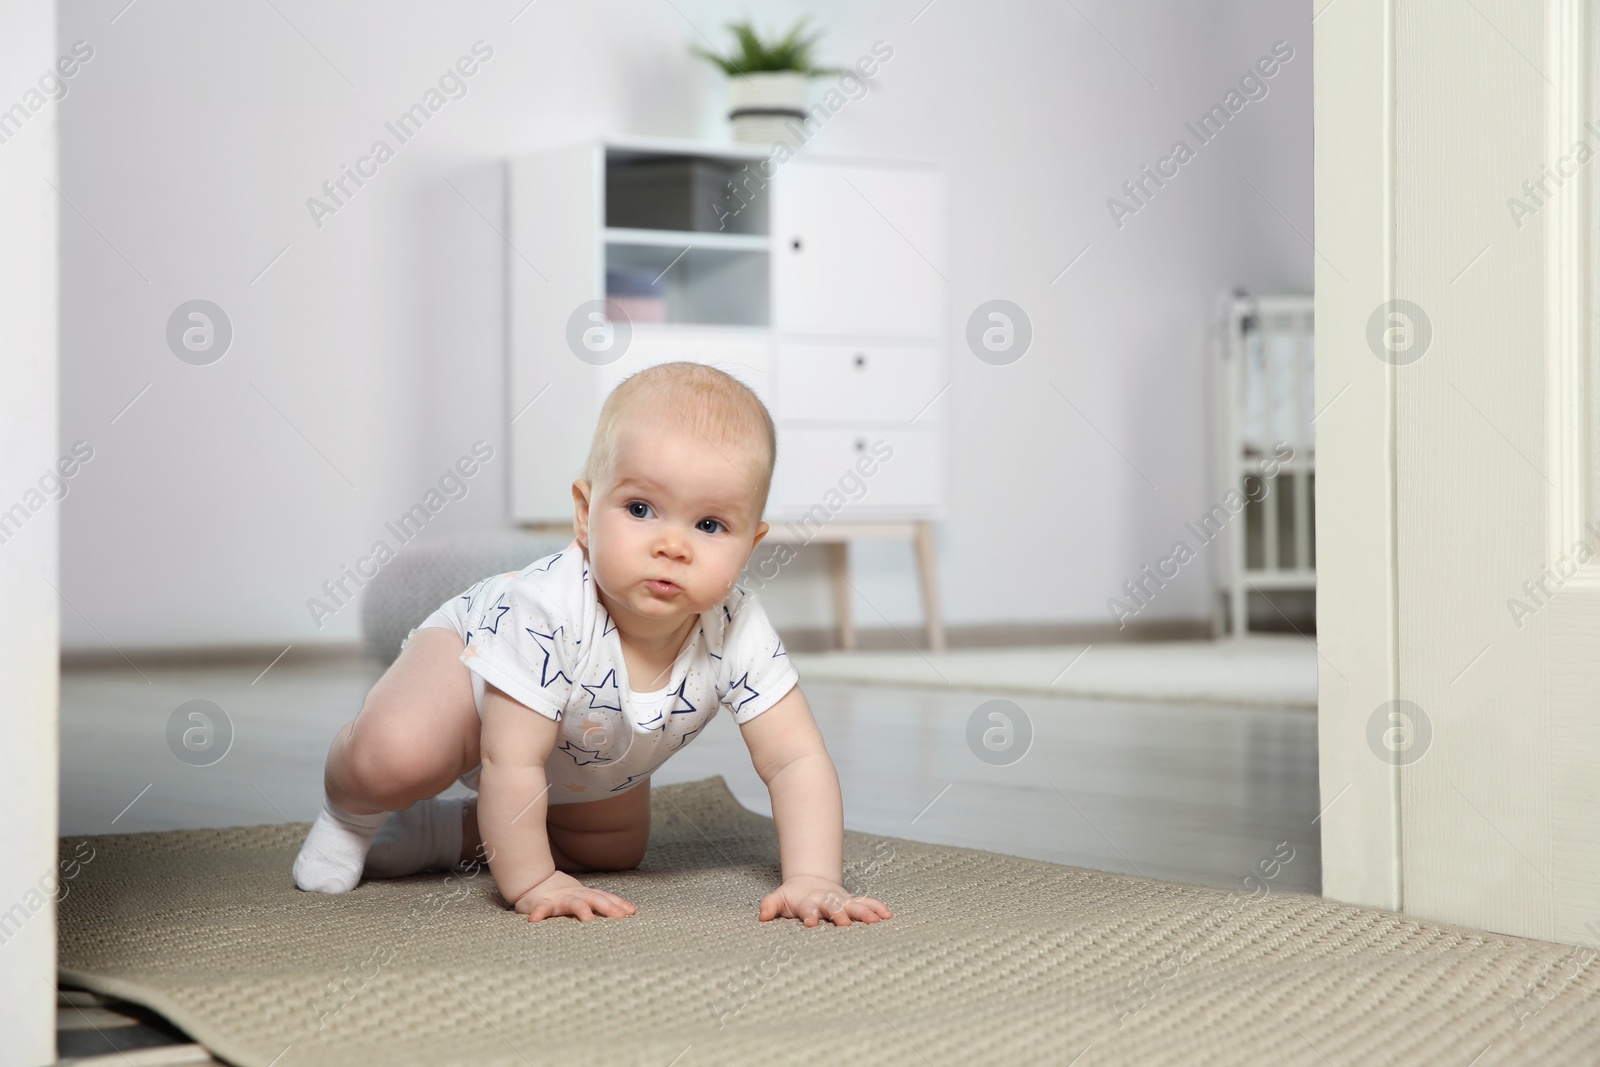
x=631, y=854
x=386, y=763
x=627, y=846
x=609, y=850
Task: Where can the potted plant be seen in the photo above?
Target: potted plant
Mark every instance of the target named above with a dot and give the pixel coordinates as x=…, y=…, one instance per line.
x=767, y=80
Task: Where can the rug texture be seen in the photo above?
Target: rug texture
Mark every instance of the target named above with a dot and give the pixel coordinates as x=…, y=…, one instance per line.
x=988, y=959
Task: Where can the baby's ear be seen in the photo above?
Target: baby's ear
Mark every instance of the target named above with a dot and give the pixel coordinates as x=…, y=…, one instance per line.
x=580, y=511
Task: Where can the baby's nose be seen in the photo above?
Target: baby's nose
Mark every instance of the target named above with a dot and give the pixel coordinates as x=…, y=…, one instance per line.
x=674, y=544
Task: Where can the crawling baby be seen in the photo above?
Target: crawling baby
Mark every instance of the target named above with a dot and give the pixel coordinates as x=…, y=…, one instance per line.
x=556, y=690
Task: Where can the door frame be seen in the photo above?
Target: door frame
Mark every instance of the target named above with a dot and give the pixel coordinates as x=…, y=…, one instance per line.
x=1400, y=174
x=1357, y=583
x=30, y=674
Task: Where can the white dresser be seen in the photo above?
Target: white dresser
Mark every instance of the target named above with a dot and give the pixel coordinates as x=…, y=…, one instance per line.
x=818, y=281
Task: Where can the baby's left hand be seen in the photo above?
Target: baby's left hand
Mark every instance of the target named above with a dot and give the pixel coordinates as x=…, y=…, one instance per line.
x=812, y=899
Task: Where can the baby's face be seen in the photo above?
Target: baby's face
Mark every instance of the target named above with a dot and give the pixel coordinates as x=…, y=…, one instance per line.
x=673, y=525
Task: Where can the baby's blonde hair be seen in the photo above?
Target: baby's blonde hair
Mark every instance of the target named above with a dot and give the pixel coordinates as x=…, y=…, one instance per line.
x=712, y=402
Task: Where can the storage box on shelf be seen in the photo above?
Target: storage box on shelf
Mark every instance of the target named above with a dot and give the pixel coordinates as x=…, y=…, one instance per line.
x=816, y=281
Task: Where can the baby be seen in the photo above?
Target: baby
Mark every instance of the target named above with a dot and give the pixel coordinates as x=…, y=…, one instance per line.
x=556, y=690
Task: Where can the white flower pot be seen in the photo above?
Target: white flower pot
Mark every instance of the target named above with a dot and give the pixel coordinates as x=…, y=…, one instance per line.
x=762, y=105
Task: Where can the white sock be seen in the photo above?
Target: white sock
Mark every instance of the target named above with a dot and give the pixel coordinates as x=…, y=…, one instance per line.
x=424, y=837
x=330, y=860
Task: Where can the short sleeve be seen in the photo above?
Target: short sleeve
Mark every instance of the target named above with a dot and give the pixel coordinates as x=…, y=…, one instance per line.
x=755, y=669
x=526, y=646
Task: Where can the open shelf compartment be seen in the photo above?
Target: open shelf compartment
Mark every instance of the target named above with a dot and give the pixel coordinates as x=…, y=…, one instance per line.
x=709, y=286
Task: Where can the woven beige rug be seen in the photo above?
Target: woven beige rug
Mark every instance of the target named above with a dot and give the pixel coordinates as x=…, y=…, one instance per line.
x=988, y=959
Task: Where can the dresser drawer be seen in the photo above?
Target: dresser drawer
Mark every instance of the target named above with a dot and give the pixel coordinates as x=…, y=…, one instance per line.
x=853, y=475
x=827, y=381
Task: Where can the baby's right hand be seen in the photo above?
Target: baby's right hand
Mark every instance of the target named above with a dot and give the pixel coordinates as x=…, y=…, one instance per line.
x=562, y=894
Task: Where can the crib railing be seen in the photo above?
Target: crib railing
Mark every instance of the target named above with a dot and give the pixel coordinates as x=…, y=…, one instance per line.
x=1265, y=454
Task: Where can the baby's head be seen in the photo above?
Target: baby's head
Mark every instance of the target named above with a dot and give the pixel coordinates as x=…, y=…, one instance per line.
x=673, y=490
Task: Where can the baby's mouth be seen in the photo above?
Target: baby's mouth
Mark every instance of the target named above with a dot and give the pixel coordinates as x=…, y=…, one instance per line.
x=660, y=587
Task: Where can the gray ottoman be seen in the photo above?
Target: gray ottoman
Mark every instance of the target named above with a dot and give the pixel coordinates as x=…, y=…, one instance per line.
x=424, y=575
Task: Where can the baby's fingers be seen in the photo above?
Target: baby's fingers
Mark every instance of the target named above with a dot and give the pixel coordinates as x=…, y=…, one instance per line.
x=842, y=911
x=865, y=912
x=591, y=902
x=860, y=909
x=609, y=904
x=549, y=907
x=868, y=909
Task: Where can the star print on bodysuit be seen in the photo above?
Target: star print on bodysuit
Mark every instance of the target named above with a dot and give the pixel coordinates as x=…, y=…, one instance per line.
x=491, y=621
x=607, y=689
x=652, y=722
x=546, y=644
x=686, y=738
x=658, y=720
x=558, y=653
x=734, y=700
x=580, y=755
x=470, y=593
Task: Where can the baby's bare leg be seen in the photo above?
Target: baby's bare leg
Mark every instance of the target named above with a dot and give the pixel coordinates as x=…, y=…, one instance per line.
x=417, y=731
x=472, y=840
x=602, y=835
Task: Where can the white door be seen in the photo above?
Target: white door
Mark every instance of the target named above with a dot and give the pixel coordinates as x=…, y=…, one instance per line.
x=1459, y=625
x=31, y=458
x=856, y=249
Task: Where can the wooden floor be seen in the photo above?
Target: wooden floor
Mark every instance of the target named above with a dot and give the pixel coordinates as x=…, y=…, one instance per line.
x=1186, y=793
x=93, y=1031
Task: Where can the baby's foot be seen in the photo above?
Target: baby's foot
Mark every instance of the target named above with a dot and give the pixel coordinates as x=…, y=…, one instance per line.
x=424, y=837
x=330, y=860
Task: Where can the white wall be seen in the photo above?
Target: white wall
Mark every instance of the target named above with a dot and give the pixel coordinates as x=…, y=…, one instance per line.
x=30, y=880
x=371, y=354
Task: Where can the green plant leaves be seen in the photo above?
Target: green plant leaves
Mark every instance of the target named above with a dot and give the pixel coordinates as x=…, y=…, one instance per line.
x=793, y=52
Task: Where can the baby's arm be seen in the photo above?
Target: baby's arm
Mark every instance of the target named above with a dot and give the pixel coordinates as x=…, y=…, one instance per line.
x=512, y=804
x=787, y=750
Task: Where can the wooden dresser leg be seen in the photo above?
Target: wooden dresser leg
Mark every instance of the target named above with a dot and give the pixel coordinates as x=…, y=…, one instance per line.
x=839, y=571
x=928, y=573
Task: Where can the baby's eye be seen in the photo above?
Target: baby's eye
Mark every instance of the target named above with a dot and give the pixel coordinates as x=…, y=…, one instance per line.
x=636, y=504
x=716, y=524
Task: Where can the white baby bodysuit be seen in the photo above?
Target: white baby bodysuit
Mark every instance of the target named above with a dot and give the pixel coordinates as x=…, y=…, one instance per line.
x=542, y=636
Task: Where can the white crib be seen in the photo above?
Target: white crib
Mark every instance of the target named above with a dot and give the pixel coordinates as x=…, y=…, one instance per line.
x=1264, y=451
